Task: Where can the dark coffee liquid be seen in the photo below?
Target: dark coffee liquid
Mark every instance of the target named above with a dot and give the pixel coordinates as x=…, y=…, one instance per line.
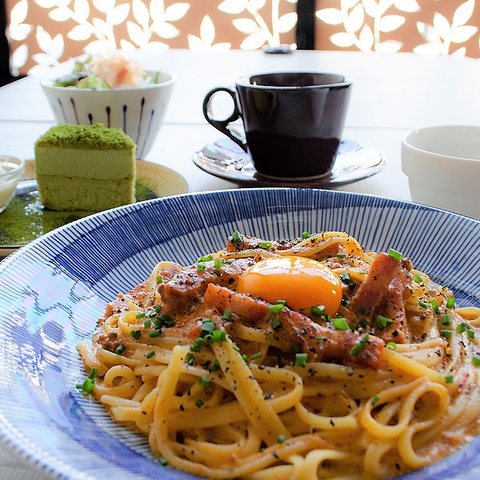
x=279, y=155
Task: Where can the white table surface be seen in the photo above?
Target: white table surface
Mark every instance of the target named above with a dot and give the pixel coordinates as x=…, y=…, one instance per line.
x=392, y=95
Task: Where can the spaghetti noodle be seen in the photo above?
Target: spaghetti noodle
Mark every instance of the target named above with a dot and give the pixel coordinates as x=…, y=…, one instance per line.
x=227, y=383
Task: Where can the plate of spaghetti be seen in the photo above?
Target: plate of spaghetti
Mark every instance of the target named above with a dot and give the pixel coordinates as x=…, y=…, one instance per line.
x=255, y=334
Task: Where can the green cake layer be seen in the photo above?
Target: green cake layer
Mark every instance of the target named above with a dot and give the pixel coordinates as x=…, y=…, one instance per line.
x=81, y=167
x=90, y=194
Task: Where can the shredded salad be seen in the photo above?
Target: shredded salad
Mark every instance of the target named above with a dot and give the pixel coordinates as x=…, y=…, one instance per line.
x=109, y=71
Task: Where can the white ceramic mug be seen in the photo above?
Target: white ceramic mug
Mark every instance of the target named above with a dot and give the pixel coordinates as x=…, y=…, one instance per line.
x=443, y=167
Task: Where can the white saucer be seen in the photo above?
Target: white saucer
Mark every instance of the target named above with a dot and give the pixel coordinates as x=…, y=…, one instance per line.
x=225, y=159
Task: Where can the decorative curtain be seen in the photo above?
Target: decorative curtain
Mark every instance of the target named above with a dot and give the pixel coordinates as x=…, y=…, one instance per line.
x=45, y=32
x=387, y=26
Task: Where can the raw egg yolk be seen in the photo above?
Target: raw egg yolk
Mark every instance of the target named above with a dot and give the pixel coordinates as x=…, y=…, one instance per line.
x=301, y=282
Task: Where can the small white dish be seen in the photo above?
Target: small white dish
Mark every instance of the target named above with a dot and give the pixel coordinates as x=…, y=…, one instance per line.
x=442, y=164
x=11, y=170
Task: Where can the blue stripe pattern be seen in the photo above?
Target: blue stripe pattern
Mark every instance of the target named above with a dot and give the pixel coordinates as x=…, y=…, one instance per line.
x=53, y=290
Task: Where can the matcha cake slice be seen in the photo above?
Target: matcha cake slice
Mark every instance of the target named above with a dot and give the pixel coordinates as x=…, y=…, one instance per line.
x=85, y=167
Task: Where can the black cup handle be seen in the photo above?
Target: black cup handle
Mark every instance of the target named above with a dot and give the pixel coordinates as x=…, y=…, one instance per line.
x=224, y=125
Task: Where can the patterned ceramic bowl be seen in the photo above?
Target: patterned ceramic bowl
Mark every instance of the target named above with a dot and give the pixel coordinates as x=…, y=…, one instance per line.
x=53, y=290
x=138, y=111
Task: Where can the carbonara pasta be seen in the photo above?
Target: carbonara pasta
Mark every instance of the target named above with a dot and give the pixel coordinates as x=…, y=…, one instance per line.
x=301, y=359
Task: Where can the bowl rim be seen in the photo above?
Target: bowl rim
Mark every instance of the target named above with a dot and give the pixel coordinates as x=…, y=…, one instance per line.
x=440, y=128
x=47, y=83
x=18, y=169
x=345, y=82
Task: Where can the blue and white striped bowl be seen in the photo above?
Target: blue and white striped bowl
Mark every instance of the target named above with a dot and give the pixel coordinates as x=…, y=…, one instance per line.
x=53, y=290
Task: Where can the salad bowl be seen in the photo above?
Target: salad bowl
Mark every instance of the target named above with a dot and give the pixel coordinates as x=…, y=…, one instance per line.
x=137, y=108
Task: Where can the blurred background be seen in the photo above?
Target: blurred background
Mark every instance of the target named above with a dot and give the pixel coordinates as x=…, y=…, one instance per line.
x=36, y=34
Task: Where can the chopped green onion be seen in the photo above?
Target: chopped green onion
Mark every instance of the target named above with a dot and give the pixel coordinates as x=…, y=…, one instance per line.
x=204, y=381
x=135, y=334
x=471, y=334
x=345, y=278
x=150, y=354
x=199, y=403
x=257, y=355
x=120, y=349
x=227, y=315
x=162, y=461
x=363, y=323
x=417, y=278
x=200, y=267
x=375, y=400
x=318, y=310
x=281, y=438
x=300, y=359
x=208, y=339
x=206, y=258
x=434, y=305
x=392, y=345
x=219, y=336
x=445, y=319
x=451, y=302
x=446, y=333
x=218, y=263
x=89, y=383
x=365, y=311
x=305, y=235
x=159, y=279
x=462, y=327
x=395, y=254
x=422, y=304
x=383, y=322
x=265, y=245
x=359, y=346
x=476, y=361
x=276, y=308
x=449, y=378
x=197, y=345
x=155, y=333
x=236, y=237
x=215, y=365
x=140, y=315
x=340, y=324
x=147, y=323
x=319, y=339
x=341, y=255
x=207, y=328
x=276, y=323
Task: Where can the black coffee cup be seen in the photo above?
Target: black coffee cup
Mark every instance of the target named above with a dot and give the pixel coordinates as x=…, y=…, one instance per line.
x=293, y=121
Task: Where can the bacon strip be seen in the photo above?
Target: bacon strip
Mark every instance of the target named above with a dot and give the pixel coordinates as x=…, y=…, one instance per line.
x=318, y=342
x=369, y=295
x=393, y=307
x=190, y=283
